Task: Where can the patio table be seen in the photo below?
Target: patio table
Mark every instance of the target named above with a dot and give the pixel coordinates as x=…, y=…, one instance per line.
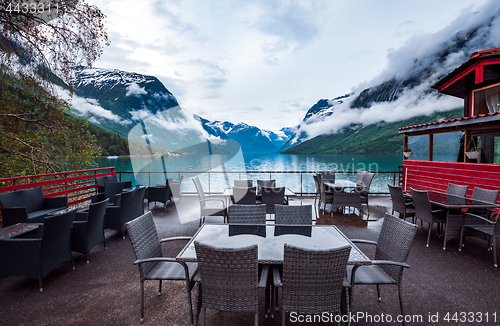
x=340, y=184
x=228, y=193
x=17, y=230
x=454, y=203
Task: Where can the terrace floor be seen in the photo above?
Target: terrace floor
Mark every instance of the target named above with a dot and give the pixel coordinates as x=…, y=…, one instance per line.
x=106, y=291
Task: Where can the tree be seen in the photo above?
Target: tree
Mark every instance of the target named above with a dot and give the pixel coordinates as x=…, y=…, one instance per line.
x=41, y=43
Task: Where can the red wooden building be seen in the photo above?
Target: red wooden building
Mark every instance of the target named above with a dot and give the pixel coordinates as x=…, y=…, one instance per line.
x=477, y=82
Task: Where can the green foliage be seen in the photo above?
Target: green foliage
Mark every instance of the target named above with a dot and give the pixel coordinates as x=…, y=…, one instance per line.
x=379, y=138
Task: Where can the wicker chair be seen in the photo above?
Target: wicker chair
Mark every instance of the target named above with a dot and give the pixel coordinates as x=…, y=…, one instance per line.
x=483, y=226
x=211, y=205
x=272, y=196
x=111, y=190
x=392, y=248
x=131, y=206
x=243, y=183
x=100, y=182
x=247, y=214
x=325, y=197
x=160, y=193
x=265, y=183
x=424, y=211
x=457, y=190
x=244, y=195
x=229, y=279
x=400, y=205
x=313, y=280
x=37, y=257
x=152, y=265
x=88, y=228
x=486, y=195
x=175, y=187
x=294, y=214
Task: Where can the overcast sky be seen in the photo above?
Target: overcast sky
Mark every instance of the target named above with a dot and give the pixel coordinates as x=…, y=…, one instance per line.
x=264, y=62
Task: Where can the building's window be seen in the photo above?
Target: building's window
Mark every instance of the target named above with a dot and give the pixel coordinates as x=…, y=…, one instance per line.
x=446, y=146
x=419, y=146
x=490, y=148
x=486, y=100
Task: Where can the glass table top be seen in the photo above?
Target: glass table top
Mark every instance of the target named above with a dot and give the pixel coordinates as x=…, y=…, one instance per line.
x=271, y=240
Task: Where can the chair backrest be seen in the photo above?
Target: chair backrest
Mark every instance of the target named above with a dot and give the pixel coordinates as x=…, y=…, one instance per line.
x=244, y=195
x=486, y=195
x=56, y=239
x=328, y=176
x=293, y=214
x=316, y=182
x=243, y=183
x=313, y=279
x=229, y=277
x=272, y=196
x=359, y=176
x=322, y=187
x=247, y=214
x=111, y=189
x=423, y=209
x=366, y=181
x=457, y=190
x=145, y=241
x=265, y=183
x=394, y=242
x=108, y=178
x=95, y=217
x=132, y=203
x=31, y=198
x=199, y=190
x=398, y=199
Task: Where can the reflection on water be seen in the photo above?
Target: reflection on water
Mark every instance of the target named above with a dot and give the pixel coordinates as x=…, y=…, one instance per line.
x=198, y=165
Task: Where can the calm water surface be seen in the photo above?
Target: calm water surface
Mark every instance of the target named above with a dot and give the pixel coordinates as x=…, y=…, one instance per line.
x=200, y=165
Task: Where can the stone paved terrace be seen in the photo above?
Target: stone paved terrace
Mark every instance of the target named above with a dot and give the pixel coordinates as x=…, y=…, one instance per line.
x=106, y=291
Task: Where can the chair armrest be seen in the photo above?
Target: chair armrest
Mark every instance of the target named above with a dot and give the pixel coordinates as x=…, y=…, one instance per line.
x=176, y=238
x=14, y=215
x=118, y=200
x=389, y=262
x=56, y=202
x=277, y=277
x=364, y=241
x=149, y=260
x=214, y=199
x=479, y=217
x=263, y=276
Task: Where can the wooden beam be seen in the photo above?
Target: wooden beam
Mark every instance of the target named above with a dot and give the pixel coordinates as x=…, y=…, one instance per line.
x=431, y=142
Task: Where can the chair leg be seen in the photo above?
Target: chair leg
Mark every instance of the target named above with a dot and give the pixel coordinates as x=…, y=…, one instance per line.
x=378, y=293
x=282, y=317
x=495, y=252
x=203, y=312
x=256, y=319
x=460, y=245
x=401, y=303
x=142, y=301
x=159, y=288
x=429, y=234
x=40, y=284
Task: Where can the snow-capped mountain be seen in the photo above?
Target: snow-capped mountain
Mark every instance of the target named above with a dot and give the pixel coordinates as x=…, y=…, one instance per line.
x=139, y=106
x=403, y=90
x=250, y=138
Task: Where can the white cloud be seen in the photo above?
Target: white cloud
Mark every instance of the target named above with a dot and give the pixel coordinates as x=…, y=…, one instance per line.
x=135, y=90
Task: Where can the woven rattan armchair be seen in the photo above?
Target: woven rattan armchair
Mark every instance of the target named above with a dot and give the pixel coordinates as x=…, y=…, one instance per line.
x=131, y=206
x=211, y=205
x=229, y=279
x=272, y=196
x=151, y=262
x=482, y=226
x=424, y=211
x=88, y=228
x=312, y=280
x=36, y=257
x=247, y=214
x=243, y=183
x=392, y=248
x=294, y=214
x=160, y=193
x=244, y=195
x=404, y=208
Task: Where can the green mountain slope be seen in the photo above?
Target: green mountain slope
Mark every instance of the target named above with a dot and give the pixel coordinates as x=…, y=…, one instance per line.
x=380, y=138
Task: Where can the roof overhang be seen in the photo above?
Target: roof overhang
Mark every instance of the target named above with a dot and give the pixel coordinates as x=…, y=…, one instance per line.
x=480, y=123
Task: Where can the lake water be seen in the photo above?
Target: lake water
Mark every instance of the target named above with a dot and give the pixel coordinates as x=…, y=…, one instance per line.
x=217, y=172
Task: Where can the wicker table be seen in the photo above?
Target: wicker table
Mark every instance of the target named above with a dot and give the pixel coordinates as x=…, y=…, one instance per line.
x=271, y=239
x=455, y=204
x=18, y=230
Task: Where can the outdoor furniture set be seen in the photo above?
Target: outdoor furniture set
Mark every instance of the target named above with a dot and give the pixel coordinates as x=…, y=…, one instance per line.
x=456, y=215
x=331, y=191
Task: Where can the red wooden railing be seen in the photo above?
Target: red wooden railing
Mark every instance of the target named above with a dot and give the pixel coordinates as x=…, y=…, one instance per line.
x=434, y=175
x=78, y=186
